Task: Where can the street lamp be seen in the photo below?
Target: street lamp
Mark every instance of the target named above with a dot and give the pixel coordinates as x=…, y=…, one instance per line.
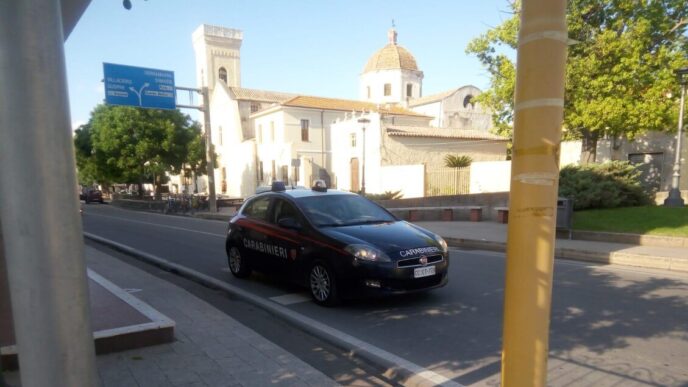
x=674, y=199
x=364, y=122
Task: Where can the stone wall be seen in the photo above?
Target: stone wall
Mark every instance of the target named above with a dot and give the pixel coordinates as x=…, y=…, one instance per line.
x=489, y=202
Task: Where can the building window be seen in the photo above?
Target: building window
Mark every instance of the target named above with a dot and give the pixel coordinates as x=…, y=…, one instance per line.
x=388, y=89
x=409, y=90
x=368, y=91
x=304, y=130
x=255, y=106
x=259, y=134
x=220, y=133
x=353, y=140
x=222, y=73
x=272, y=132
x=274, y=171
x=261, y=177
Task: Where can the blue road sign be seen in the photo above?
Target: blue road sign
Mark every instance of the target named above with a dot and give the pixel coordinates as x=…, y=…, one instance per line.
x=139, y=86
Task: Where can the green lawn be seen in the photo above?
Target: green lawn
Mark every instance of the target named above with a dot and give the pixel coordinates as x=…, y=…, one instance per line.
x=636, y=220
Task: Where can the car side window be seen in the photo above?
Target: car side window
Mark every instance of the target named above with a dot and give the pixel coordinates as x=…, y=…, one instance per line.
x=284, y=209
x=257, y=209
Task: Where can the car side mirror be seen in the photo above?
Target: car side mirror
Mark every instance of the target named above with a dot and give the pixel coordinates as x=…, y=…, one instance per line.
x=289, y=223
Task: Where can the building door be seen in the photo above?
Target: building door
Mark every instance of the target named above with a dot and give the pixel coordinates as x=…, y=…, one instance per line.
x=355, y=183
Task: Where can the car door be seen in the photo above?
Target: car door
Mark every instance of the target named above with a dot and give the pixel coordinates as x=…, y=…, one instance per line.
x=288, y=224
x=254, y=229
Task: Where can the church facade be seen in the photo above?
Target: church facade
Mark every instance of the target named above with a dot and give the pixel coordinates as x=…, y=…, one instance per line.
x=260, y=136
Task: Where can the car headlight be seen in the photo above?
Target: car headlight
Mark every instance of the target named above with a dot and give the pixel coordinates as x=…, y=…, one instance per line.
x=442, y=242
x=367, y=253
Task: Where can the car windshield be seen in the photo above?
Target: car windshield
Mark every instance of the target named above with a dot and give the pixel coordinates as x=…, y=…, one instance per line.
x=342, y=210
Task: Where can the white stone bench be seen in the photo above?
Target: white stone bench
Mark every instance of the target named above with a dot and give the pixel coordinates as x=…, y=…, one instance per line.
x=502, y=214
x=446, y=212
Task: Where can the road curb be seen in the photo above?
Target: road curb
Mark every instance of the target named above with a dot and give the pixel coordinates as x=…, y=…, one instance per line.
x=615, y=257
x=355, y=347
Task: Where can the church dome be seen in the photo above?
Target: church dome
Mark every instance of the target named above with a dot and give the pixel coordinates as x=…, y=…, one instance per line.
x=391, y=57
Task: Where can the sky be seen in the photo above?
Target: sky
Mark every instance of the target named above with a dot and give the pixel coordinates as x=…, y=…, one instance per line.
x=308, y=47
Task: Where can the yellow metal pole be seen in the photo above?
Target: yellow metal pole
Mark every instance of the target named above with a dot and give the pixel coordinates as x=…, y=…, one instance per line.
x=538, y=112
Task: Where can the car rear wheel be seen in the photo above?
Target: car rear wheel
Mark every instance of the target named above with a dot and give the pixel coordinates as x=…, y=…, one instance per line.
x=238, y=265
x=323, y=285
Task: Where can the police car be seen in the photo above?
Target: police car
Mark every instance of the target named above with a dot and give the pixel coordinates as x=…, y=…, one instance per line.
x=337, y=243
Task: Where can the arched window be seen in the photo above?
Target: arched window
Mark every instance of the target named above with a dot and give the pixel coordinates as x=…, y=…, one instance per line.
x=409, y=90
x=388, y=89
x=222, y=73
x=468, y=100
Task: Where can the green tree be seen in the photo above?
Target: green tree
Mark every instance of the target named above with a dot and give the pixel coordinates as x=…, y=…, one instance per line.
x=619, y=69
x=456, y=161
x=135, y=146
x=196, y=164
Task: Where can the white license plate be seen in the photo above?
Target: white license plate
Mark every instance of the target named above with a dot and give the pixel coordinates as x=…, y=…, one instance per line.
x=420, y=272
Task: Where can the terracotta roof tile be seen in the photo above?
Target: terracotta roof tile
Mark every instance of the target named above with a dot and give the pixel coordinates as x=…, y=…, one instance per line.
x=426, y=131
x=347, y=105
x=260, y=95
x=391, y=57
x=432, y=98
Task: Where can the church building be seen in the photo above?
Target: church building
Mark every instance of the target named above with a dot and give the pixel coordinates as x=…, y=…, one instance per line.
x=392, y=135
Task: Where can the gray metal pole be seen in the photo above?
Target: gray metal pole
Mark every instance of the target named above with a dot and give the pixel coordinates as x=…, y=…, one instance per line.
x=363, y=187
x=212, y=203
x=674, y=198
x=39, y=210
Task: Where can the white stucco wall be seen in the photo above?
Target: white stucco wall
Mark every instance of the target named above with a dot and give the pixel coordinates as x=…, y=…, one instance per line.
x=450, y=111
x=409, y=179
x=216, y=47
x=383, y=151
x=490, y=176
x=432, y=151
x=431, y=109
x=658, y=145
x=288, y=144
x=343, y=152
x=234, y=154
x=398, y=79
x=570, y=153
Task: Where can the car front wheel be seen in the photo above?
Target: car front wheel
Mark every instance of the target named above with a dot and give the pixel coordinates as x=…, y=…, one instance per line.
x=238, y=265
x=323, y=285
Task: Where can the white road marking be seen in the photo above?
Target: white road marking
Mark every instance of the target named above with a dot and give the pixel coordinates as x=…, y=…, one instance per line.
x=160, y=225
x=293, y=298
x=132, y=290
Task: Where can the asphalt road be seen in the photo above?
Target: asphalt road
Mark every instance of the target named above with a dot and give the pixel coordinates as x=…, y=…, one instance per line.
x=610, y=325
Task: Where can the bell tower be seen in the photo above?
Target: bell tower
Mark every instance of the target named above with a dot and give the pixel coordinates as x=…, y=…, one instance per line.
x=217, y=56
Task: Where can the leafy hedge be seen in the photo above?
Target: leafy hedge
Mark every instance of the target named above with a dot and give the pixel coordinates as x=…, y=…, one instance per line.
x=607, y=185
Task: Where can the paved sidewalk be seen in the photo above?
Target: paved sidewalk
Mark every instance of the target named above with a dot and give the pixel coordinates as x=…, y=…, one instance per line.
x=211, y=348
x=493, y=236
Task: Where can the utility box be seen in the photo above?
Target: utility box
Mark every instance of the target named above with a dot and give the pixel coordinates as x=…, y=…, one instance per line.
x=565, y=214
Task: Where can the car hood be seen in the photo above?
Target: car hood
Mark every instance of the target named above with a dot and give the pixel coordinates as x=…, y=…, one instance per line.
x=396, y=239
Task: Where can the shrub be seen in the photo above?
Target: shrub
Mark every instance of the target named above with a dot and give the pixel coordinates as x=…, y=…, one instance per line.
x=387, y=195
x=456, y=161
x=607, y=185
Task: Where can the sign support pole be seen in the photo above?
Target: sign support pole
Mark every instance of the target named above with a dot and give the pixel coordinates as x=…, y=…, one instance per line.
x=209, y=153
x=538, y=114
x=43, y=239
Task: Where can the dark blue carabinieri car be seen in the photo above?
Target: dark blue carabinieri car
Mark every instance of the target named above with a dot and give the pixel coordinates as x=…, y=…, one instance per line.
x=337, y=243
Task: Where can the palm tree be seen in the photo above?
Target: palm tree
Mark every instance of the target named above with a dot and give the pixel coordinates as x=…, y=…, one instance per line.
x=456, y=161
